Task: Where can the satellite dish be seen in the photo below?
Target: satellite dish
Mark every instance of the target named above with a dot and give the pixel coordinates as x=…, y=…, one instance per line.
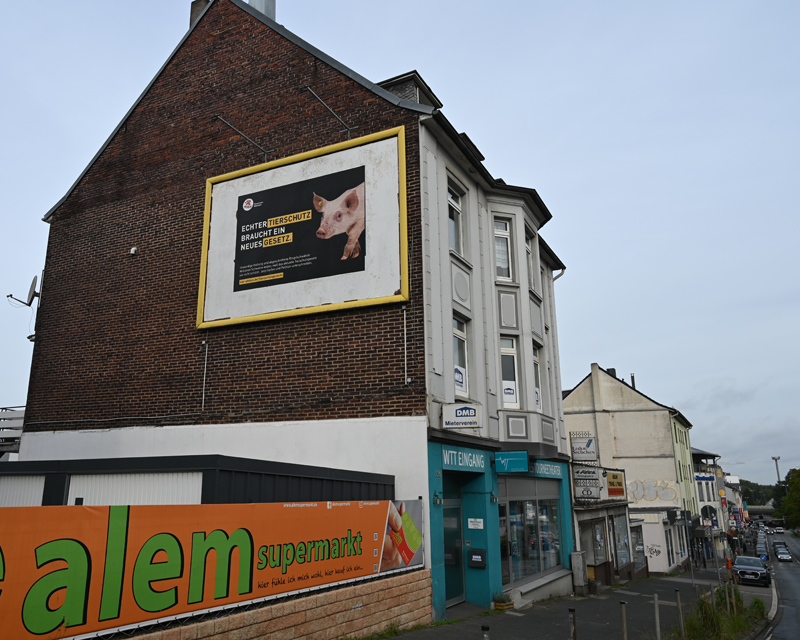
x=32, y=292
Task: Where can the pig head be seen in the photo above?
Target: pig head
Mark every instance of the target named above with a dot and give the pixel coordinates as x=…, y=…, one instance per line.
x=343, y=215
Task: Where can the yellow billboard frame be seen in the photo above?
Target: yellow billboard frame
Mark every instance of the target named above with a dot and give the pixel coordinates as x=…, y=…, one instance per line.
x=403, y=293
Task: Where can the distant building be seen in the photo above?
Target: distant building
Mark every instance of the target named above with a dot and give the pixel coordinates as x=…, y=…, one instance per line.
x=650, y=441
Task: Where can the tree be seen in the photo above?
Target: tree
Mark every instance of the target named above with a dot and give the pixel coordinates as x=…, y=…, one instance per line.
x=790, y=505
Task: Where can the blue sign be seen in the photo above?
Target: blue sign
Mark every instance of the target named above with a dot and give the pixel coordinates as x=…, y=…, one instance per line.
x=464, y=460
x=511, y=462
x=545, y=469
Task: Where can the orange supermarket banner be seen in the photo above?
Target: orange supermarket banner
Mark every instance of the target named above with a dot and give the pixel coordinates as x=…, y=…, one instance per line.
x=70, y=571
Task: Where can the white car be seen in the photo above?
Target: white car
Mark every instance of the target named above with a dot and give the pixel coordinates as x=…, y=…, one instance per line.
x=783, y=554
x=778, y=529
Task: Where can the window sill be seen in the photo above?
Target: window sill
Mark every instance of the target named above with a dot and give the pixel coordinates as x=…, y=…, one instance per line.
x=461, y=260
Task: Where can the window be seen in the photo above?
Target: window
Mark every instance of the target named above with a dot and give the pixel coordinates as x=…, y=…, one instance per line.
x=460, y=356
x=502, y=249
x=530, y=256
x=508, y=367
x=454, y=212
x=537, y=385
x=700, y=491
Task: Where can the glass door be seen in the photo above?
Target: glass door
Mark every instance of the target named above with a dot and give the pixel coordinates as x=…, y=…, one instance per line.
x=453, y=553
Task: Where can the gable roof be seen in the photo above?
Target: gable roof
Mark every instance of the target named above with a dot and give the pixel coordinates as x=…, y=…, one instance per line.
x=375, y=88
x=673, y=411
x=461, y=141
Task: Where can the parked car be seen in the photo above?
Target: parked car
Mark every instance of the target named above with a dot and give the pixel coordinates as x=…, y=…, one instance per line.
x=747, y=569
x=761, y=550
x=783, y=555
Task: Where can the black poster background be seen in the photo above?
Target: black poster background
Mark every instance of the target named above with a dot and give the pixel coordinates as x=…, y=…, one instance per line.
x=306, y=257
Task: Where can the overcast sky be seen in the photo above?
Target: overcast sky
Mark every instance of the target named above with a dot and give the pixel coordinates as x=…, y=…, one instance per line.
x=663, y=137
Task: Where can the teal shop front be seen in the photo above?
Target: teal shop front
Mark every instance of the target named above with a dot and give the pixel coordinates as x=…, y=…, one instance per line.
x=535, y=524
x=465, y=550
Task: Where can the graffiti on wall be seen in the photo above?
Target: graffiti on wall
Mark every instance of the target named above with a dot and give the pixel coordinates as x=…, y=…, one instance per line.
x=653, y=550
x=650, y=490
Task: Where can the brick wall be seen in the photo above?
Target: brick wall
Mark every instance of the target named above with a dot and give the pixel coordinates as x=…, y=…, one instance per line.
x=116, y=343
x=361, y=610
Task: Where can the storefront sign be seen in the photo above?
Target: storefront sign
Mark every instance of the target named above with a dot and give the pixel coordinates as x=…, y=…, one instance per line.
x=475, y=523
x=584, y=449
x=464, y=460
x=616, y=484
x=547, y=469
x=511, y=462
x=588, y=476
x=461, y=416
x=587, y=493
x=69, y=571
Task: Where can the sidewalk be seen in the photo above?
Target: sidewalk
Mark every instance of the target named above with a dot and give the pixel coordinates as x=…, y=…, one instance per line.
x=596, y=617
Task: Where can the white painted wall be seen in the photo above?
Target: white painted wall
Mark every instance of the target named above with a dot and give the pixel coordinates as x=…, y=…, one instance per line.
x=394, y=446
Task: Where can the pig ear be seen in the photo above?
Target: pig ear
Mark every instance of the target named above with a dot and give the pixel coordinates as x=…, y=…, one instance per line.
x=351, y=201
x=319, y=202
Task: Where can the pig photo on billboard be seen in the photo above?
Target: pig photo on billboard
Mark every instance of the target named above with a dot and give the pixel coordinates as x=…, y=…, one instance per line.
x=302, y=231
x=343, y=215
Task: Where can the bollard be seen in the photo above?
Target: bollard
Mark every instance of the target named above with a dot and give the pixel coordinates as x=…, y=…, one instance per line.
x=680, y=613
x=727, y=600
x=622, y=604
x=485, y=631
x=658, y=619
x=573, y=627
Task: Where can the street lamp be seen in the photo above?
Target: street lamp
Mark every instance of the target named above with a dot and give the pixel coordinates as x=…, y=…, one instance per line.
x=777, y=470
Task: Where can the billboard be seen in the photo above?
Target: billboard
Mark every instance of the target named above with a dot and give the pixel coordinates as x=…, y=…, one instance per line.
x=77, y=570
x=318, y=231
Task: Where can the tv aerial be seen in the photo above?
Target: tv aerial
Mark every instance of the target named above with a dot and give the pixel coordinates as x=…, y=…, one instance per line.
x=32, y=294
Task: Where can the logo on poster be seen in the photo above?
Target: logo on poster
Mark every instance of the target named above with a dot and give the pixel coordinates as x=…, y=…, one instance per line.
x=248, y=204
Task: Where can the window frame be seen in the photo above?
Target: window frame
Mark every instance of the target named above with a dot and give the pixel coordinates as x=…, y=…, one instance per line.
x=461, y=334
x=537, y=378
x=510, y=352
x=455, y=220
x=506, y=235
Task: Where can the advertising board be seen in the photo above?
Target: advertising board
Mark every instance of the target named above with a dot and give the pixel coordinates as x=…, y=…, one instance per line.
x=584, y=449
x=318, y=231
x=76, y=570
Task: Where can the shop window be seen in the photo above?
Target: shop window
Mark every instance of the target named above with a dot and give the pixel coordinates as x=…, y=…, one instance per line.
x=502, y=249
x=508, y=367
x=460, y=352
x=621, y=541
x=637, y=544
x=670, y=549
x=530, y=540
x=455, y=223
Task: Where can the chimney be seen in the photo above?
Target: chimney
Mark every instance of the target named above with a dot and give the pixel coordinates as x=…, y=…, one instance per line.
x=267, y=7
x=633, y=381
x=198, y=6
x=612, y=372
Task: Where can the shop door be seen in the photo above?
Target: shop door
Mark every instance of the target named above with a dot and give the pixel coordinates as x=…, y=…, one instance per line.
x=453, y=553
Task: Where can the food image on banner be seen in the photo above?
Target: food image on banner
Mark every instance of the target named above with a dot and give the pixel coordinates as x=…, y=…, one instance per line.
x=301, y=231
x=317, y=232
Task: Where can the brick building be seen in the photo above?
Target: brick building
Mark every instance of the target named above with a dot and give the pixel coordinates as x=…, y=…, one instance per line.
x=417, y=356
